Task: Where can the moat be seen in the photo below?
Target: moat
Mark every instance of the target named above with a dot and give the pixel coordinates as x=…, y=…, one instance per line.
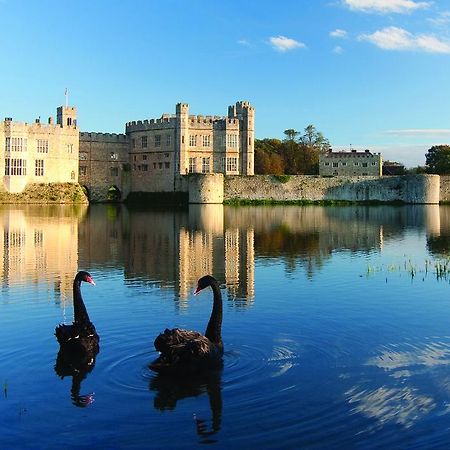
x=335, y=326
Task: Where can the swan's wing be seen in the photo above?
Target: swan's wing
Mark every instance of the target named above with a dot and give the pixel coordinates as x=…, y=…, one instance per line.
x=182, y=344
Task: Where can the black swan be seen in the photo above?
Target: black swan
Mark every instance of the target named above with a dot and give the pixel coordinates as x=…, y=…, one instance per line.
x=190, y=351
x=80, y=337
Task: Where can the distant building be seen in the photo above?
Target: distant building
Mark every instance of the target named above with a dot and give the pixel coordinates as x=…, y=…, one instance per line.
x=352, y=163
x=393, y=168
x=39, y=153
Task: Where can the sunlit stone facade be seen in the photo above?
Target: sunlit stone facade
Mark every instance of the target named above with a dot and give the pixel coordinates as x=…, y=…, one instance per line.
x=38, y=152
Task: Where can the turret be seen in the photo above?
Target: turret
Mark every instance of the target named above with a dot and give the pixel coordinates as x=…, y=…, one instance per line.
x=182, y=137
x=66, y=116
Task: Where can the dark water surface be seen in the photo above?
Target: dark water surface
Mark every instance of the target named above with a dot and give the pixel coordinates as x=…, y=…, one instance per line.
x=336, y=327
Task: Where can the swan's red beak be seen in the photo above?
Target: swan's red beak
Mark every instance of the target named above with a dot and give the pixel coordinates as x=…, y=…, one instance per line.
x=197, y=291
x=90, y=281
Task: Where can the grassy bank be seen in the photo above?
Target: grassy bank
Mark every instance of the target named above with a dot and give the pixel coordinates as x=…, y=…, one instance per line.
x=47, y=193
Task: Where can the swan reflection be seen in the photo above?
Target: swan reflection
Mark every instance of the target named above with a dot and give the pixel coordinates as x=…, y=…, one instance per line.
x=76, y=366
x=170, y=389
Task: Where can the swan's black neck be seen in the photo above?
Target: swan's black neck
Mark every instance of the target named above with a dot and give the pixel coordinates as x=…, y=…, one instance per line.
x=80, y=312
x=214, y=328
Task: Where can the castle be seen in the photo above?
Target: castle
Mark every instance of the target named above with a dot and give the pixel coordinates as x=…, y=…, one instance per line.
x=151, y=156
x=39, y=153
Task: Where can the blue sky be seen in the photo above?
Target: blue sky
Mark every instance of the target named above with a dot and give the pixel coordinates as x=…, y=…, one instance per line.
x=367, y=73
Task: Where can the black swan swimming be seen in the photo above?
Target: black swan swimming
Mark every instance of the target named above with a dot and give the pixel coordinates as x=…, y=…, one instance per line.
x=190, y=351
x=80, y=337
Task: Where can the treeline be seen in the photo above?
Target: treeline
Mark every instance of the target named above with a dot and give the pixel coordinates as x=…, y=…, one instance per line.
x=297, y=154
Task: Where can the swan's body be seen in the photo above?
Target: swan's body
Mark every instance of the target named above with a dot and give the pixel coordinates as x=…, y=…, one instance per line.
x=81, y=336
x=190, y=351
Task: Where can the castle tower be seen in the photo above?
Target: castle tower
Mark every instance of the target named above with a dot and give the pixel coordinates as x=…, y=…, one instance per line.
x=182, y=137
x=66, y=116
x=246, y=115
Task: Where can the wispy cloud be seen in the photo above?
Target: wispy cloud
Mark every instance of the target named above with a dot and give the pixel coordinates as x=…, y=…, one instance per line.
x=243, y=42
x=385, y=6
x=442, y=19
x=338, y=33
x=284, y=44
x=338, y=50
x=428, y=132
x=394, y=38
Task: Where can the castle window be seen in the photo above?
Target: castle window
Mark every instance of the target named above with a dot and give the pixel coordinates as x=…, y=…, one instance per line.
x=206, y=141
x=167, y=164
x=249, y=141
x=356, y=163
x=133, y=143
x=206, y=165
x=113, y=155
x=374, y=163
x=82, y=171
x=232, y=164
x=134, y=157
x=192, y=162
x=157, y=140
x=160, y=165
x=42, y=146
x=232, y=140
x=326, y=163
x=192, y=140
x=69, y=121
x=16, y=144
x=69, y=148
x=364, y=164
x=182, y=139
x=144, y=157
x=344, y=163
x=82, y=156
x=15, y=166
x=145, y=167
x=168, y=140
x=39, y=167
x=335, y=164
x=144, y=141
x=114, y=171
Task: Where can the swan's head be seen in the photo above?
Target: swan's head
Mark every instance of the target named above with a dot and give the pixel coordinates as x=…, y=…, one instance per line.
x=204, y=282
x=85, y=276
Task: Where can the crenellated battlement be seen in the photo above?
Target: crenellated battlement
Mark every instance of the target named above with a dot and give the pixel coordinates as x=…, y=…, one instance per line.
x=164, y=122
x=103, y=137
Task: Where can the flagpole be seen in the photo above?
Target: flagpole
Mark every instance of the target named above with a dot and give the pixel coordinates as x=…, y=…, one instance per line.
x=66, y=94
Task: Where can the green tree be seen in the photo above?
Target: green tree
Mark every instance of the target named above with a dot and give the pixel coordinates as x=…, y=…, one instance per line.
x=437, y=159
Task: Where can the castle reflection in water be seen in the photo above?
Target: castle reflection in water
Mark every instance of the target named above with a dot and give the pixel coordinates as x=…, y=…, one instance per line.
x=46, y=245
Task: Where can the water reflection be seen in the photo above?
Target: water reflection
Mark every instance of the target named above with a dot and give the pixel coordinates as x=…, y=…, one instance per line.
x=170, y=389
x=39, y=245
x=76, y=366
x=172, y=249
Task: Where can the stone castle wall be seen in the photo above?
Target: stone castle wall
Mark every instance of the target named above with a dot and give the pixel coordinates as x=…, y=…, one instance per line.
x=104, y=163
x=407, y=188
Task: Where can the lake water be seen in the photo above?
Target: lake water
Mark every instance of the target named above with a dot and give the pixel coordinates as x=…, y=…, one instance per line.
x=336, y=326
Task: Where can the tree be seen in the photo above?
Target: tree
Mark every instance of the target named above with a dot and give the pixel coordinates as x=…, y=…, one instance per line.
x=437, y=159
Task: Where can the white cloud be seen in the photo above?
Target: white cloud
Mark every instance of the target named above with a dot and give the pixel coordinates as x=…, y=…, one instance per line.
x=428, y=132
x=385, y=6
x=284, y=44
x=338, y=33
x=243, y=42
x=393, y=38
x=441, y=20
x=338, y=50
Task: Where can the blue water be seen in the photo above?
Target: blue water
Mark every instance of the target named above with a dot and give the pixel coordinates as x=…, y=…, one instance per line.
x=336, y=326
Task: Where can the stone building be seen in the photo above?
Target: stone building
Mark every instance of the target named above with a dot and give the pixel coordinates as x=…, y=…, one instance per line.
x=39, y=153
x=152, y=154
x=351, y=163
